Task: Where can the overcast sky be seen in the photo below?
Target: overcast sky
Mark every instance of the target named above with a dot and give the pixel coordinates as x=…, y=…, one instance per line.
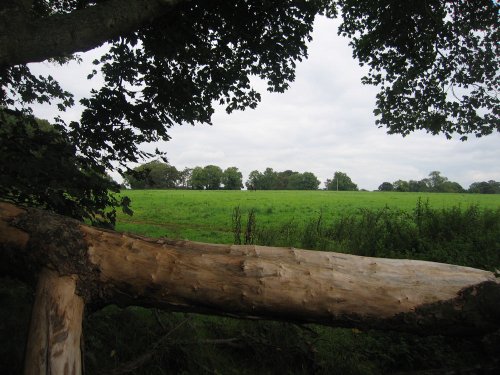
x=322, y=124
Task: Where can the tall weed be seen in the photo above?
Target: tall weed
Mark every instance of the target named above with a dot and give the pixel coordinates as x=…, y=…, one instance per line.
x=176, y=343
x=465, y=236
x=212, y=345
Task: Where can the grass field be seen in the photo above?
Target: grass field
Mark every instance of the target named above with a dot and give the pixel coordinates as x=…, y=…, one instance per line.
x=206, y=215
x=461, y=229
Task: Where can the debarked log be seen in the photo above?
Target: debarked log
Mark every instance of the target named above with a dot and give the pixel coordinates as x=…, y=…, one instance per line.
x=53, y=345
x=253, y=281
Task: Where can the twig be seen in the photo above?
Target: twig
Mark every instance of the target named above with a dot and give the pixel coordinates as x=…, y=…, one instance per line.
x=134, y=364
x=158, y=320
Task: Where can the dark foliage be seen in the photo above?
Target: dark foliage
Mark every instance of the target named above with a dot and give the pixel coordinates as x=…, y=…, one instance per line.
x=340, y=182
x=286, y=180
x=436, y=62
x=490, y=187
x=435, y=183
x=169, y=72
x=386, y=186
x=232, y=179
x=40, y=167
x=15, y=313
x=153, y=175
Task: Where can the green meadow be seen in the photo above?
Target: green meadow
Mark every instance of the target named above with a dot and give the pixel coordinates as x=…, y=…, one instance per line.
x=207, y=215
x=453, y=228
x=461, y=229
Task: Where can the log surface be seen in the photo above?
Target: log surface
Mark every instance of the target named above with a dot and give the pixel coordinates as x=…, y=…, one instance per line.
x=262, y=282
x=56, y=327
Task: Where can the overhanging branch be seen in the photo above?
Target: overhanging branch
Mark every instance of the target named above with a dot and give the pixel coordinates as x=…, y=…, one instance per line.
x=24, y=39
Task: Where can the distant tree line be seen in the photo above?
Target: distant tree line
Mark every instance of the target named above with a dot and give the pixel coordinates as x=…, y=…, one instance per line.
x=286, y=180
x=436, y=183
x=160, y=175
x=485, y=187
x=213, y=177
x=340, y=182
x=157, y=175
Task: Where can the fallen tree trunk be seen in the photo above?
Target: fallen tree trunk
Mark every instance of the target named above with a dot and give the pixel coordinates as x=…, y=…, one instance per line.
x=253, y=281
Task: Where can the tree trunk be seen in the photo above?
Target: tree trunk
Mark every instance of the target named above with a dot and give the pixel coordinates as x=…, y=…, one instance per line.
x=253, y=281
x=25, y=39
x=248, y=281
x=56, y=326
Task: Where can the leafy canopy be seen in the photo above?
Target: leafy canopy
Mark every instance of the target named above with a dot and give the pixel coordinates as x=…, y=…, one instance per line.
x=435, y=183
x=435, y=61
x=169, y=71
x=153, y=175
x=232, y=179
x=40, y=167
x=340, y=182
x=286, y=180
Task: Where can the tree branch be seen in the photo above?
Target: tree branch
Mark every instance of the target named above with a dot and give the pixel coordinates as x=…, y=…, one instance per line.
x=24, y=39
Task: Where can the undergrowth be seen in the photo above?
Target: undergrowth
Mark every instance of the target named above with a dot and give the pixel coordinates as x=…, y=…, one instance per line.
x=146, y=341
x=464, y=236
